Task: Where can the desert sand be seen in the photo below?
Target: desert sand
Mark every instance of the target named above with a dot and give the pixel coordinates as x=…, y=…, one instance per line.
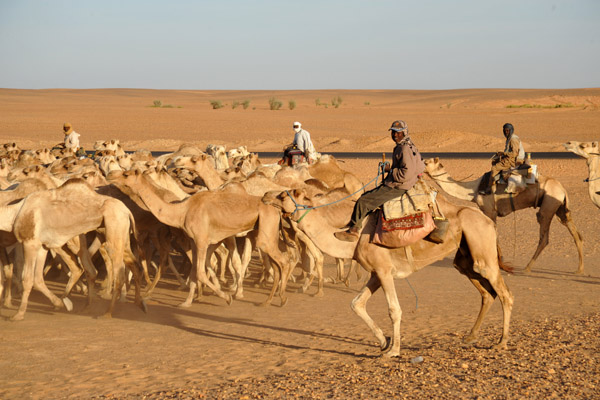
x=316, y=347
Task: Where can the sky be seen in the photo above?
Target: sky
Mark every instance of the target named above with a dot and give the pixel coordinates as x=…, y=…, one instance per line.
x=299, y=45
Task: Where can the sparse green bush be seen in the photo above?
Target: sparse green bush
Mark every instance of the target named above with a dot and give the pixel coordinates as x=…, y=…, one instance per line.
x=216, y=104
x=274, y=104
x=367, y=103
x=167, y=106
x=292, y=104
x=245, y=104
x=336, y=101
x=559, y=105
x=317, y=102
x=235, y=104
x=157, y=103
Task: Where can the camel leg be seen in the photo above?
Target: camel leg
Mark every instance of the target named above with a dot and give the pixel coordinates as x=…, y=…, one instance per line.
x=33, y=275
x=276, y=276
x=200, y=256
x=267, y=240
x=465, y=266
x=317, y=256
x=478, y=258
x=106, y=291
x=71, y=261
x=359, y=306
x=544, y=220
x=564, y=216
x=395, y=313
x=6, y=275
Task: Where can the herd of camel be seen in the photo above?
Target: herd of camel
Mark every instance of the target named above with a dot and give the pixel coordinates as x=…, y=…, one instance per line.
x=120, y=211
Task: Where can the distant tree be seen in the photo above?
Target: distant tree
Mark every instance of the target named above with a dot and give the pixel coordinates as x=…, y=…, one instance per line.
x=274, y=104
x=216, y=104
x=292, y=104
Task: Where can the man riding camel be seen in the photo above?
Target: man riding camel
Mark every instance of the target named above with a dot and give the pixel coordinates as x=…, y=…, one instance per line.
x=513, y=155
x=407, y=165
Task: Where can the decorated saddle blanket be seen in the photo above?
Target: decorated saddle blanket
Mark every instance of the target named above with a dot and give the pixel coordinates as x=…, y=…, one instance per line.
x=417, y=199
x=406, y=219
x=402, y=231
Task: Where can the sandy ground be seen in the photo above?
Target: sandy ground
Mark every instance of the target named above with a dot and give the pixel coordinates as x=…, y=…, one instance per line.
x=316, y=347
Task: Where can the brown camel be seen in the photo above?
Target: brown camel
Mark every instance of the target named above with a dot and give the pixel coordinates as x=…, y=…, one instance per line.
x=548, y=194
x=591, y=152
x=49, y=219
x=471, y=232
x=208, y=218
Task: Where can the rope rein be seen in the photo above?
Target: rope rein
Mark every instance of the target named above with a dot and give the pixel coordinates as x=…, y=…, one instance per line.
x=300, y=207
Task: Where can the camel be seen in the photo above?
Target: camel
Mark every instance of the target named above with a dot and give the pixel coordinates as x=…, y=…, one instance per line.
x=49, y=219
x=208, y=218
x=548, y=194
x=470, y=232
x=591, y=152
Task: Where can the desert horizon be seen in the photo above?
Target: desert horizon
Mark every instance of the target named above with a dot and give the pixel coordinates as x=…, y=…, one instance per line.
x=438, y=120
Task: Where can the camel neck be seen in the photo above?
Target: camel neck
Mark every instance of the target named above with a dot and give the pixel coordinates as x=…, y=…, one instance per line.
x=171, y=214
x=461, y=190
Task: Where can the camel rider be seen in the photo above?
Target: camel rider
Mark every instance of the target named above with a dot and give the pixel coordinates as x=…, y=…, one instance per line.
x=302, y=142
x=71, y=137
x=513, y=155
x=407, y=165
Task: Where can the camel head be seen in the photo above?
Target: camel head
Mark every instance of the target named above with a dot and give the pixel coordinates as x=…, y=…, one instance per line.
x=285, y=201
x=583, y=149
x=433, y=166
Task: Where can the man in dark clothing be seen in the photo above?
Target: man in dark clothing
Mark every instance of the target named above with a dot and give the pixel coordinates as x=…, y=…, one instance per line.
x=407, y=165
x=512, y=155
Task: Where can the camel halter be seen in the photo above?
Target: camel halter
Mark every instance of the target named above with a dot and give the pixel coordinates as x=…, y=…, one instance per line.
x=596, y=178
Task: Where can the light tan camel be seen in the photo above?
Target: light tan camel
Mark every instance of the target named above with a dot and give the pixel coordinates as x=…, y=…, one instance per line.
x=470, y=231
x=208, y=218
x=49, y=219
x=591, y=152
x=548, y=194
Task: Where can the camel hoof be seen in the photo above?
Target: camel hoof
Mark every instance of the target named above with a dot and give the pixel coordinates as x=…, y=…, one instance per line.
x=391, y=354
x=144, y=306
x=319, y=294
x=264, y=304
x=347, y=282
x=184, y=305
x=17, y=317
x=229, y=299
x=283, y=301
x=469, y=339
x=108, y=315
x=68, y=304
x=238, y=296
x=105, y=295
x=388, y=343
x=499, y=346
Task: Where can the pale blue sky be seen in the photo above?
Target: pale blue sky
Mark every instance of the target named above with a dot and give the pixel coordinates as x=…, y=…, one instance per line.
x=271, y=45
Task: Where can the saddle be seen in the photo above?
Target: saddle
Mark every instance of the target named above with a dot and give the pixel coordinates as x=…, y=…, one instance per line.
x=407, y=219
x=516, y=179
x=292, y=156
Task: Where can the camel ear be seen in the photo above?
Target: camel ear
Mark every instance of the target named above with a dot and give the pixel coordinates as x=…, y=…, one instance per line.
x=595, y=144
x=38, y=168
x=137, y=172
x=203, y=157
x=194, y=159
x=437, y=159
